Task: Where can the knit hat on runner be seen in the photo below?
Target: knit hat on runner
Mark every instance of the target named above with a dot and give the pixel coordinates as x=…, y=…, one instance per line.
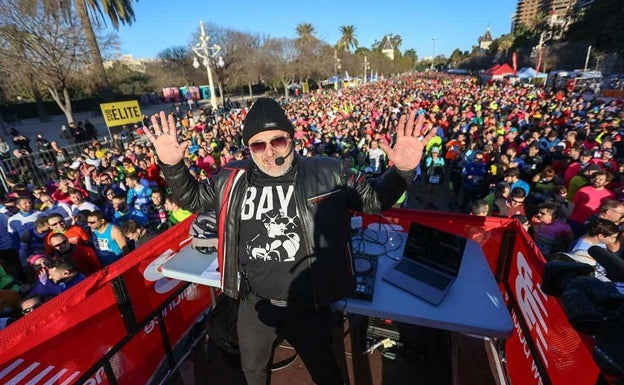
x=265, y=115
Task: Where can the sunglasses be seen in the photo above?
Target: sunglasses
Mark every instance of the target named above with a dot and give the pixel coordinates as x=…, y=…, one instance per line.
x=91, y=222
x=59, y=244
x=55, y=223
x=277, y=143
x=29, y=309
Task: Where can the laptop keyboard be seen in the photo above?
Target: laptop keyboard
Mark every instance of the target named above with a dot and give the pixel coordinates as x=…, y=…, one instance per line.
x=424, y=275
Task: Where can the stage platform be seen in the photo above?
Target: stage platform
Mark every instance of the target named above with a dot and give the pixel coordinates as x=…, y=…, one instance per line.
x=426, y=361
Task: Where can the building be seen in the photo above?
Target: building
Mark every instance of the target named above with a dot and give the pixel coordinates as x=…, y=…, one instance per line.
x=528, y=11
x=387, y=48
x=485, y=41
x=129, y=61
x=552, y=16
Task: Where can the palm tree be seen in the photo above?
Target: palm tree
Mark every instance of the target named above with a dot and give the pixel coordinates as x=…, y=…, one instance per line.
x=118, y=12
x=505, y=42
x=348, y=39
x=539, y=22
x=305, y=31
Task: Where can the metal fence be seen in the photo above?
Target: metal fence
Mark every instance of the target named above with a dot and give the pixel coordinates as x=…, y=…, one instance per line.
x=37, y=168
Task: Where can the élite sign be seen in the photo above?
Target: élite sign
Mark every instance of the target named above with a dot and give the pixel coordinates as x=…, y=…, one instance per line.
x=120, y=113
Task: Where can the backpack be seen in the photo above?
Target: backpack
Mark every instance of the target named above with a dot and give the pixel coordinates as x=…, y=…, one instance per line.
x=221, y=323
x=203, y=232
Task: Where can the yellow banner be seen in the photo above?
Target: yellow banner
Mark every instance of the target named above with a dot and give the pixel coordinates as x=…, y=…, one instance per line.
x=306, y=88
x=120, y=113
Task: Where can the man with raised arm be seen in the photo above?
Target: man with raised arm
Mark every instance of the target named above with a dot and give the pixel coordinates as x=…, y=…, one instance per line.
x=283, y=225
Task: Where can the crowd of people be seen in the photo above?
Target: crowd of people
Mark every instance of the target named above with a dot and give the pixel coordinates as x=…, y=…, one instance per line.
x=551, y=159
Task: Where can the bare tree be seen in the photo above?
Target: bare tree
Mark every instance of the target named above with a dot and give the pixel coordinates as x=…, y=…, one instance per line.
x=179, y=59
x=244, y=60
x=44, y=49
x=282, y=54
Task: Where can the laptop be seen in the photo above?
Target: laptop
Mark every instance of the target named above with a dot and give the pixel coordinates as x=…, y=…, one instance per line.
x=430, y=263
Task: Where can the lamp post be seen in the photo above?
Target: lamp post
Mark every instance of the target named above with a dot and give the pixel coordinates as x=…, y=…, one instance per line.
x=206, y=53
x=433, y=51
x=366, y=67
x=220, y=66
x=337, y=67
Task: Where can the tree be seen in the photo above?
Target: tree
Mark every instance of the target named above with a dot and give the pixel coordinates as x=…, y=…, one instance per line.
x=538, y=23
x=601, y=26
x=305, y=34
x=178, y=58
x=348, y=39
x=410, y=58
x=42, y=48
x=244, y=61
x=456, y=58
x=127, y=80
x=118, y=12
x=505, y=42
x=282, y=55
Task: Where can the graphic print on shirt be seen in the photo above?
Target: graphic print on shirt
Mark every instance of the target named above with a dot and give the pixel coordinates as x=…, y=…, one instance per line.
x=277, y=239
x=102, y=244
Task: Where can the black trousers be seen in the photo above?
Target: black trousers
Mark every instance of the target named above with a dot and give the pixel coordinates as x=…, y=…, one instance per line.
x=309, y=331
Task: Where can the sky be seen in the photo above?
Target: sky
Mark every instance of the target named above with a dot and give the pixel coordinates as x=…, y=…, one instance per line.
x=162, y=24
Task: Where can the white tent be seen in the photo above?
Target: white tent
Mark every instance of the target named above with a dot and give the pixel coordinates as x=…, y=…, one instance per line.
x=528, y=73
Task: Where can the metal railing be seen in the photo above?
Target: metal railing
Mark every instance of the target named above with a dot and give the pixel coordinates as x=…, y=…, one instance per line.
x=36, y=168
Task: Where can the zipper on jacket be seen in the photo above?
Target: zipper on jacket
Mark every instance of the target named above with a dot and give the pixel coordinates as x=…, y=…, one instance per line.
x=223, y=220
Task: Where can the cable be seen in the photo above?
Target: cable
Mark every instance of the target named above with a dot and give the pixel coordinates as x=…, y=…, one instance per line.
x=386, y=342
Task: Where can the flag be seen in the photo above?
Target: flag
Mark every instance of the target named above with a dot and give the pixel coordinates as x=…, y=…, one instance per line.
x=539, y=59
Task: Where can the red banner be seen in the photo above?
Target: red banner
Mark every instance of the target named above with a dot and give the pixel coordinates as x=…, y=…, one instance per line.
x=564, y=355
x=539, y=59
x=550, y=342
x=69, y=334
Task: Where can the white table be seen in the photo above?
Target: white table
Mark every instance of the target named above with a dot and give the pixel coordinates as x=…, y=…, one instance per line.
x=192, y=266
x=474, y=304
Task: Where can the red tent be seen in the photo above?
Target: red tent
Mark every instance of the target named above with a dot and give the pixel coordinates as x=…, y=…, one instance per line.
x=500, y=70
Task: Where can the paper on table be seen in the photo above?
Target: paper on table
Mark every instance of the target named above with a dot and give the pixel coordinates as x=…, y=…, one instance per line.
x=211, y=271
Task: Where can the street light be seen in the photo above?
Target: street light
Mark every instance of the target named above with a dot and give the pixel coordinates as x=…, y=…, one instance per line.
x=433, y=52
x=206, y=53
x=366, y=67
x=220, y=66
x=337, y=67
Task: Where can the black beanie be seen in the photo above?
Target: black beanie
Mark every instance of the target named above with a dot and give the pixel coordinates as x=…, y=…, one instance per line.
x=265, y=114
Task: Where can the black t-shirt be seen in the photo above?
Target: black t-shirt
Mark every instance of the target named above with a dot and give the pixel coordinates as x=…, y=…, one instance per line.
x=270, y=241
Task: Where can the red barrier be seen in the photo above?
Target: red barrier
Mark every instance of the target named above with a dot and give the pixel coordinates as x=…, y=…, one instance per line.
x=553, y=353
x=68, y=335
x=71, y=333
x=554, y=349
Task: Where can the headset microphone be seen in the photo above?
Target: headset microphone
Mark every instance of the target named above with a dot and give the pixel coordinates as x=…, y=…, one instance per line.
x=281, y=159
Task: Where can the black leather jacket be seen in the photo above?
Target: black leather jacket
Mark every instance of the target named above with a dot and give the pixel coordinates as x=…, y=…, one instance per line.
x=324, y=193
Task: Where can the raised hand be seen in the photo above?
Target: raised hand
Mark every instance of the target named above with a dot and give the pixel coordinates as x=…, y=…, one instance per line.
x=411, y=137
x=165, y=140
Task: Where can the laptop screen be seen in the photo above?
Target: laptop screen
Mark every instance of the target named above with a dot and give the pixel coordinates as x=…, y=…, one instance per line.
x=435, y=248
